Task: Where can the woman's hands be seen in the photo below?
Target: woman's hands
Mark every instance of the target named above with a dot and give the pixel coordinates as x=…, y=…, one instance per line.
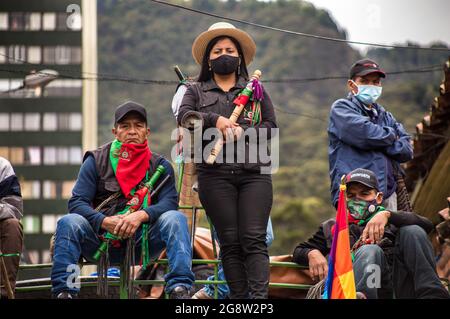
x=230, y=131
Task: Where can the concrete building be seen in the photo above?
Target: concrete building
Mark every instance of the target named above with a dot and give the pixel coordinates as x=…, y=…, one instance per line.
x=45, y=129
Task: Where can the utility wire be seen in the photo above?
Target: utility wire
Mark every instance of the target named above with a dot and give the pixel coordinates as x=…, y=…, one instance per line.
x=159, y=82
x=308, y=35
x=103, y=78
x=425, y=69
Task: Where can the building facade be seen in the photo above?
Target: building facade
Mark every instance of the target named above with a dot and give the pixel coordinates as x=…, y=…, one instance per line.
x=45, y=129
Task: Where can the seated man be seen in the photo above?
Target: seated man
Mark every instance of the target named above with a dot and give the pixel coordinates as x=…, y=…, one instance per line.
x=121, y=166
x=11, y=234
x=385, y=245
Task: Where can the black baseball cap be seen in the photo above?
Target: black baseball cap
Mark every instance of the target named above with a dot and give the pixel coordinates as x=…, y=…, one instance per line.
x=363, y=176
x=364, y=67
x=129, y=106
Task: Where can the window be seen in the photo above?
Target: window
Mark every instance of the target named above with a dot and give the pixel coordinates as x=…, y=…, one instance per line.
x=16, y=21
x=49, y=155
x=16, y=155
x=49, y=55
x=62, y=155
x=11, y=87
x=75, y=56
x=16, y=121
x=63, y=121
x=15, y=85
x=34, y=54
x=31, y=189
x=64, y=88
x=2, y=55
x=4, y=121
x=49, y=21
x=31, y=224
x=4, y=152
x=4, y=85
x=75, y=121
x=75, y=155
x=61, y=18
x=49, y=223
x=20, y=21
x=32, y=121
x=67, y=187
x=35, y=21
x=49, y=190
x=17, y=54
x=32, y=155
x=57, y=189
x=50, y=122
x=62, y=54
x=3, y=21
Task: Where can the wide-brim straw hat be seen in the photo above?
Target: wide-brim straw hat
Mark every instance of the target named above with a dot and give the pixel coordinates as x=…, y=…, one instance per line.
x=246, y=42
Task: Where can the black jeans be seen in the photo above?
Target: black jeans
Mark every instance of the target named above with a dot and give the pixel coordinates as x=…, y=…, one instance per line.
x=238, y=204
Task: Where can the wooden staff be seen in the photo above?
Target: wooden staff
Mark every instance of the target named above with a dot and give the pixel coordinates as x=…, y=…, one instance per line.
x=5, y=278
x=233, y=118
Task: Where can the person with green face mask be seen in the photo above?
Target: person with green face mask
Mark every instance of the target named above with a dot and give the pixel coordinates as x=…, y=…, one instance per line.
x=363, y=134
x=391, y=250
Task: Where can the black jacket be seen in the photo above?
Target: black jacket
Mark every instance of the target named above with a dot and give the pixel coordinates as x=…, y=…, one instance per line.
x=210, y=101
x=322, y=239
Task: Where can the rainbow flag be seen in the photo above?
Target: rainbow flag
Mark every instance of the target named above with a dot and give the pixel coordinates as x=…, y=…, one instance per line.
x=340, y=282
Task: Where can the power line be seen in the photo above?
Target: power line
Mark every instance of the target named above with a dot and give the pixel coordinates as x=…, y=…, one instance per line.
x=425, y=69
x=104, y=78
x=98, y=76
x=308, y=35
x=162, y=82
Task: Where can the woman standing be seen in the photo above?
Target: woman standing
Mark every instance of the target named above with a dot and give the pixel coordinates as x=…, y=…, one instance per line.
x=235, y=194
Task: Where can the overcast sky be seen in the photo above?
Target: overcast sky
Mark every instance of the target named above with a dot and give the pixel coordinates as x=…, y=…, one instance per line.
x=391, y=21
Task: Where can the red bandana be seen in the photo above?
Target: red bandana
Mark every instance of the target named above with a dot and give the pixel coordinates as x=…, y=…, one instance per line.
x=130, y=163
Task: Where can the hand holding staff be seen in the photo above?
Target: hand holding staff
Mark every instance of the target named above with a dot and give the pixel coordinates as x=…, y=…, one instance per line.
x=240, y=102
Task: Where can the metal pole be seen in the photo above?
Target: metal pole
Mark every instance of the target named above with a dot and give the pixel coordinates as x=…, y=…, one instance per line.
x=193, y=226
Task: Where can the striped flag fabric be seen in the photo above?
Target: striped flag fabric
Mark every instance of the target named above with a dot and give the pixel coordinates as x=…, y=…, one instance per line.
x=340, y=282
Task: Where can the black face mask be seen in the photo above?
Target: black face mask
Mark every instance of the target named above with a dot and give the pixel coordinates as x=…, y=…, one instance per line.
x=225, y=64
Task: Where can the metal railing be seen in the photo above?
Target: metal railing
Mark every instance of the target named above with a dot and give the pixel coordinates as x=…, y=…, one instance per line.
x=121, y=283
x=124, y=293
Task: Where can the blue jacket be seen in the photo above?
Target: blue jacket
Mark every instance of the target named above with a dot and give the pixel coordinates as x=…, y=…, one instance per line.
x=358, y=139
x=85, y=190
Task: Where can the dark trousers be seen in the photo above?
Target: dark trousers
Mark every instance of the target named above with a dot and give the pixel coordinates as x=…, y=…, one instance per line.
x=238, y=204
x=11, y=239
x=414, y=270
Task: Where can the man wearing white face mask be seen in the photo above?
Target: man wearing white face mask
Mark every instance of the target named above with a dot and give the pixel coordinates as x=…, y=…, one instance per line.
x=362, y=134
